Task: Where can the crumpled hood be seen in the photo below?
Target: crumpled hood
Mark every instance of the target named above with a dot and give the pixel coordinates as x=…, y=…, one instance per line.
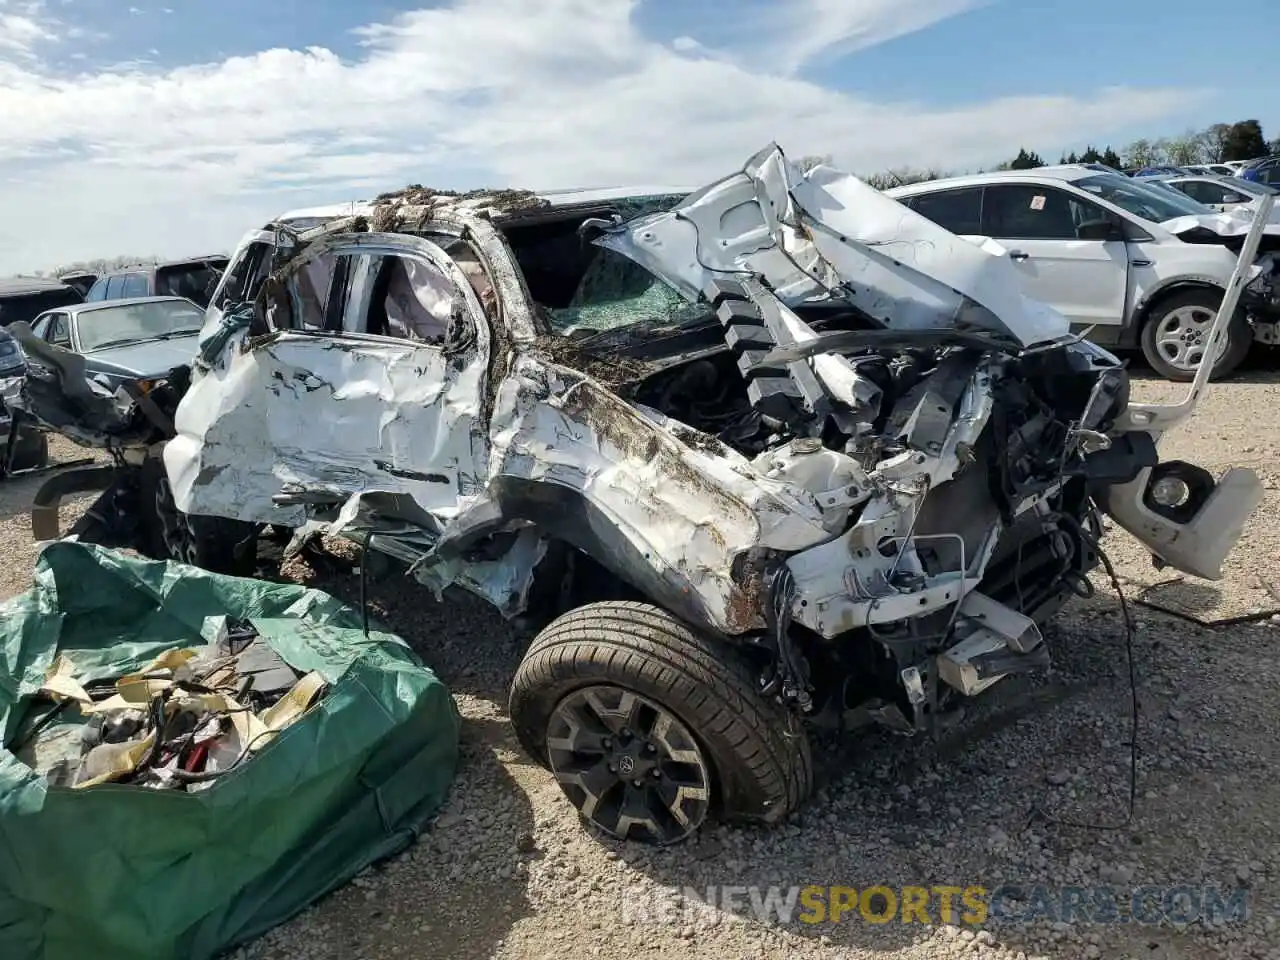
x=1232, y=225
x=824, y=235
x=146, y=358
x=1245, y=211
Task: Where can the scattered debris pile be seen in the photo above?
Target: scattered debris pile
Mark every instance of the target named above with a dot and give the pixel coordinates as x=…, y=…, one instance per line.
x=185, y=719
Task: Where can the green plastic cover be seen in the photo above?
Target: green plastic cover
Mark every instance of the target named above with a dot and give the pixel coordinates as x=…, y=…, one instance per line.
x=118, y=871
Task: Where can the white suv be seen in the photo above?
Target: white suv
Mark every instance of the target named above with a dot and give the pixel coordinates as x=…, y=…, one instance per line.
x=1223, y=193
x=1143, y=266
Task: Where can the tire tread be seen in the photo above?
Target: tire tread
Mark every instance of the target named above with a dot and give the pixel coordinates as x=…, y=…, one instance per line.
x=758, y=751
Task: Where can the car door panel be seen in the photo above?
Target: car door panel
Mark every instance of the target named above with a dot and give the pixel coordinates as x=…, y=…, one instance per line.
x=309, y=415
x=1083, y=279
x=1086, y=280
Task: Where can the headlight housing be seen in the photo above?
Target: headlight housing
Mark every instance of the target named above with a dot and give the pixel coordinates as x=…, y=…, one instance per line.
x=11, y=355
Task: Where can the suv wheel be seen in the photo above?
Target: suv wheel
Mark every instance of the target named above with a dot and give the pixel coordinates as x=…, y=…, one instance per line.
x=1176, y=333
x=211, y=543
x=648, y=726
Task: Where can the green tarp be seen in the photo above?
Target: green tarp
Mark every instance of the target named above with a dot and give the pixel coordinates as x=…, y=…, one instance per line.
x=118, y=871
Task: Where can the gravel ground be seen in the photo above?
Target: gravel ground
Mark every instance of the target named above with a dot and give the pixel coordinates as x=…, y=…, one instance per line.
x=17, y=549
x=1032, y=789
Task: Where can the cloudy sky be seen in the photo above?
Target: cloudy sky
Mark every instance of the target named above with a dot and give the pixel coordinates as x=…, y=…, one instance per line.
x=171, y=129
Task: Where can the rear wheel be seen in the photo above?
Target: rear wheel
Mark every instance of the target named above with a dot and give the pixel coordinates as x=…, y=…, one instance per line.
x=211, y=543
x=1176, y=335
x=648, y=726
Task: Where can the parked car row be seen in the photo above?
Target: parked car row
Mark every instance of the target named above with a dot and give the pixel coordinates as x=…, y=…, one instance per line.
x=1137, y=262
x=1259, y=169
x=1221, y=193
x=194, y=279
x=128, y=325
x=1263, y=170
x=31, y=448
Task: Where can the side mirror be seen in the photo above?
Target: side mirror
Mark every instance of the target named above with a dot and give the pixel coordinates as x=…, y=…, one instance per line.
x=1234, y=198
x=1100, y=229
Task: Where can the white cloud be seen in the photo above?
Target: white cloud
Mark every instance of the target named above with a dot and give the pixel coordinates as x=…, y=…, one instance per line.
x=135, y=158
x=801, y=31
x=24, y=27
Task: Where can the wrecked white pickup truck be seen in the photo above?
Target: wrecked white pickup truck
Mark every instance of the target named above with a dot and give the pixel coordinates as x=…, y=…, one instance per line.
x=779, y=450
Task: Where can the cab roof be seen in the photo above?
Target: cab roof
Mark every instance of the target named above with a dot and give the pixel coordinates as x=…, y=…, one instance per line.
x=485, y=198
x=1066, y=172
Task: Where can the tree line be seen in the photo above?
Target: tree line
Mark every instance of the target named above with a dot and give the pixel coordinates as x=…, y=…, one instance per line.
x=99, y=266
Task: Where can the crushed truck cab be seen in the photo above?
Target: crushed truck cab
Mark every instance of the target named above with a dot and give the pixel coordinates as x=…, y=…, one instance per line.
x=777, y=450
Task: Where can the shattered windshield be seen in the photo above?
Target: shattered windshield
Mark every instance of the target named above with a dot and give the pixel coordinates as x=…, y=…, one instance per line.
x=130, y=323
x=617, y=292
x=1141, y=199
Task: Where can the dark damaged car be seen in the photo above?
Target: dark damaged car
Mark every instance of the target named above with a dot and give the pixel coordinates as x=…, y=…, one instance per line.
x=777, y=453
x=194, y=278
x=22, y=299
x=140, y=339
x=21, y=447
x=84, y=354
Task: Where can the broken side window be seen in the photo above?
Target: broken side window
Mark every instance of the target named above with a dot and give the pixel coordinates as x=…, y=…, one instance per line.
x=401, y=297
x=469, y=263
x=311, y=287
x=420, y=302
x=245, y=276
x=553, y=255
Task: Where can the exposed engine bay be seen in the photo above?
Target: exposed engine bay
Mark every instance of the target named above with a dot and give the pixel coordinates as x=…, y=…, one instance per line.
x=960, y=480
x=851, y=449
